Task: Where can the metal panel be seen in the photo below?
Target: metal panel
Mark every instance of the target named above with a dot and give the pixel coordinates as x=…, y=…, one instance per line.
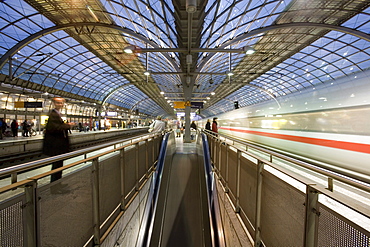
x=248, y=189
x=335, y=230
x=150, y=153
x=283, y=213
x=130, y=170
x=11, y=222
x=109, y=186
x=232, y=174
x=223, y=166
x=66, y=219
x=142, y=159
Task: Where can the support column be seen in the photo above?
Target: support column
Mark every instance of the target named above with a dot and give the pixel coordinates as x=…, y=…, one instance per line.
x=99, y=109
x=188, y=88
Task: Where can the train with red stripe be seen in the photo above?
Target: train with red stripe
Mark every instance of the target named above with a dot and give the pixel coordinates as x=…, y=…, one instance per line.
x=330, y=123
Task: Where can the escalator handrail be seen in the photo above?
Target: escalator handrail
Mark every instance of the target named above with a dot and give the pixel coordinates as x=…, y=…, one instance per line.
x=214, y=209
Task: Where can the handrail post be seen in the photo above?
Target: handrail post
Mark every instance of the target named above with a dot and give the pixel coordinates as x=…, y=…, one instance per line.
x=227, y=169
x=137, y=166
x=122, y=167
x=30, y=214
x=257, y=240
x=14, y=177
x=312, y=214
x=219, y=158
x=96, y=209
x=146, y=159
x=237, y=206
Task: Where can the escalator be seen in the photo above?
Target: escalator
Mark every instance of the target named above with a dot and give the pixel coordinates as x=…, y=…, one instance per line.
x=182, y=208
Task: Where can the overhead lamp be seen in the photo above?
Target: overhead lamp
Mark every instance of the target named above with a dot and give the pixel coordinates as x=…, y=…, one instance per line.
x=92, y=13
x=208, y=98
x=129, y=49
x=162, y=92
x=248, y=50
x=211, y=81
x=147, y=73
x=191, y=6
x=230, y=73
x=213, y=93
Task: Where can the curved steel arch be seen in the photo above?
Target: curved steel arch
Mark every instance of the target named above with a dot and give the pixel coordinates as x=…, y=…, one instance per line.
x=252, y=33
x=115, y=90
x=145, y=99
x=46, y=31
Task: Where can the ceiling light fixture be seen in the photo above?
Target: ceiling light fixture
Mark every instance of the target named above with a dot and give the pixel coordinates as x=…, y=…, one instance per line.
x=92, y=13
x=191, y=6
x=248, y=50
x=211, y=81
x=129, y=49
x=147, y=73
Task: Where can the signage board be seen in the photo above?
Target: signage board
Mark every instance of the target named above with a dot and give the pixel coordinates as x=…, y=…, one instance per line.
x=22, y=104
x=179, y=104
x=197, y=105
x=183, y=104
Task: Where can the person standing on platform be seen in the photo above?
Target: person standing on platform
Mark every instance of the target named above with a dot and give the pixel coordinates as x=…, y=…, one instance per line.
x=193, y=125
x=3, y=126
x=214, y=125
x=158, y=125
x=14, y=127
x=56, y=139
x=26, y=128
x=208, y=125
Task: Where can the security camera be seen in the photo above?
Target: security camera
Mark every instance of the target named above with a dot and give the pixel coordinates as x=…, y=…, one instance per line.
x=211, y=81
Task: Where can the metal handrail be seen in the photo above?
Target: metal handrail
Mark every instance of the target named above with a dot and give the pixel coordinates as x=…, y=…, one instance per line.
x=213, y=205
x=341, y=177
x=39, y=163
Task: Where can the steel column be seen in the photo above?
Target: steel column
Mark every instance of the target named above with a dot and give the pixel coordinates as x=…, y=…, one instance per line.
x=29, y=209
x=96, y=208
x=122, y=167
x=312, y=214
x=257, y=240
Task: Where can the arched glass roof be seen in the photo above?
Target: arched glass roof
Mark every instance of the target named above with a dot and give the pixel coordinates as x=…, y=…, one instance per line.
x=75, y=49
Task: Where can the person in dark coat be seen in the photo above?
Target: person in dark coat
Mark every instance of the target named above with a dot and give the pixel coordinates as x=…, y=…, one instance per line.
x=56, y=139
x=208, y=125
x=14, y=127
x=26, y=127
x=214, y=126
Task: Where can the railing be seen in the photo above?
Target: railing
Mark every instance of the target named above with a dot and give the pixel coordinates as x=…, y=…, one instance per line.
x=217, y=231
x=101, y=182
x=280, y=208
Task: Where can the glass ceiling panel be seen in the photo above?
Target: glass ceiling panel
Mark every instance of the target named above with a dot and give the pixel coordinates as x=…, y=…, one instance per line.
x=242, y=17
x=17, y=21
x=145, y=17
x=326, y=59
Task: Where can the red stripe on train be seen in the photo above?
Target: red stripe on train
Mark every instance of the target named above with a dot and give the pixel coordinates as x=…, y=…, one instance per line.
x=350, y=146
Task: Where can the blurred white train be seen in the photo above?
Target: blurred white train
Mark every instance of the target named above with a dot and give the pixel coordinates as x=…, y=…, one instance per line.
x=330, y=123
